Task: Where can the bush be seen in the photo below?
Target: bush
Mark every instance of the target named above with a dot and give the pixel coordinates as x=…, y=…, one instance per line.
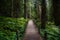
x=52, y=31
x=8, y=27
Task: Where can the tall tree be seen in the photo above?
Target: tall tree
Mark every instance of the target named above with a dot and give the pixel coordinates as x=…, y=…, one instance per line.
x=38, y=9
x=49, y=10
x=25, y=9
x=44, y=18
x=43, y=15
x=56, y=13
x=16, y=8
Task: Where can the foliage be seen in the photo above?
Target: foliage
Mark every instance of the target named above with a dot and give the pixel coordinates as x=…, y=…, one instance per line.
x=8, y=27
x=52, y=31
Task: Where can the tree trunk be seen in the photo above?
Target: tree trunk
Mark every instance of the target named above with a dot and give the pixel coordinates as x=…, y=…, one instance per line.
x=43, y=15
x=38, y=11
x=25, y=9
x=49, y=10
x=15, y=8
x=44, y=18
x=56, y=13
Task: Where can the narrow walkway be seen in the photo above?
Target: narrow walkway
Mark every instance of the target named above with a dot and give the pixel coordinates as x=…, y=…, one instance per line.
x=31, y=32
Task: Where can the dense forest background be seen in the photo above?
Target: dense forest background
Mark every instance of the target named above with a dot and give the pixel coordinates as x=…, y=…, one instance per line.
x=14, y=15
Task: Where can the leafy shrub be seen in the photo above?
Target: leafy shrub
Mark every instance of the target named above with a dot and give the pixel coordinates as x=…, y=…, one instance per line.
x=51, y=30
x=8, y=27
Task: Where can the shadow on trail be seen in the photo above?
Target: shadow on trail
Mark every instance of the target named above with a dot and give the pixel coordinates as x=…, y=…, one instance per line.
x=31, y=32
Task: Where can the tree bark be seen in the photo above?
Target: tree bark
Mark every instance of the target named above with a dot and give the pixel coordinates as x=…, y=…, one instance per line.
x=56, y=13
x=16, y=9
x=49, y=10
x=44, y=19
x=43, y=15
x=25, y=9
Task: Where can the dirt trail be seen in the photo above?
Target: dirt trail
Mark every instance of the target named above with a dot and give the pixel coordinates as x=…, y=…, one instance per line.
x=31, y=32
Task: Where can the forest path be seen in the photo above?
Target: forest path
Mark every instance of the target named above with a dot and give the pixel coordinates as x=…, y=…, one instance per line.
x=31, y=32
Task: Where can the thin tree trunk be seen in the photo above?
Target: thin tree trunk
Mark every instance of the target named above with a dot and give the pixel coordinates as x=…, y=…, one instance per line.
x=49, y=10
x=38, y=11
x=43, y=15
x=25, y=9
x=15, y=8
x=44, y=19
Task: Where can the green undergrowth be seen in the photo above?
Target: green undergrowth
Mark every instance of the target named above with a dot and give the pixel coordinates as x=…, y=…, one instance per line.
x=8, y=27
x=51, y=30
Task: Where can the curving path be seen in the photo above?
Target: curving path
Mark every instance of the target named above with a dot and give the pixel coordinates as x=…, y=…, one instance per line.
x=31, y=32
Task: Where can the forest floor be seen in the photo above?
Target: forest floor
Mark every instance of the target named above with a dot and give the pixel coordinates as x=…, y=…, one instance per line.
x=31, y=32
